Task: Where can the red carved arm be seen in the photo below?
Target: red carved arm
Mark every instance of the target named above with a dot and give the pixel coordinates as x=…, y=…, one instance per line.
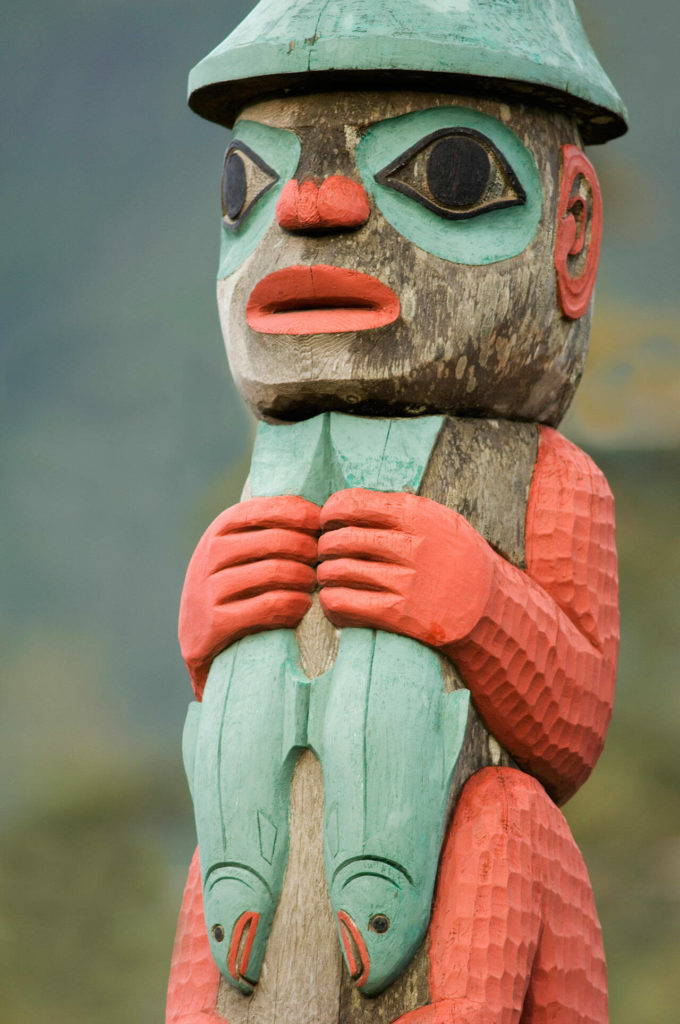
x=252, y=570
x=537, y=648
x=541, y=660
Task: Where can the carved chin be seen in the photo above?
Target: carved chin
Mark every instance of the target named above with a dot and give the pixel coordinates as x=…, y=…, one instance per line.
x=404, y=368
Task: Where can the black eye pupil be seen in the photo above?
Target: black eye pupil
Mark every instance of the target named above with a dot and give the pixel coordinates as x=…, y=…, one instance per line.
x=458, y=171
x=218, y=932
x=379, y=923
x=235, y=185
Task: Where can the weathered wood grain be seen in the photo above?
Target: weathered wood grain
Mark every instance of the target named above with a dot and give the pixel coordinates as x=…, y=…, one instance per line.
x=301, y=975
x=486, y=340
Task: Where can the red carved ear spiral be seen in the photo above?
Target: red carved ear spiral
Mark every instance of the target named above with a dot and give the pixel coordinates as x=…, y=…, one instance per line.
x=579, y=232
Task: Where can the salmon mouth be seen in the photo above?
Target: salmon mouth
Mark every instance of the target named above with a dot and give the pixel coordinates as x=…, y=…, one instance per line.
x=320, y=299
x=356, y=954
x=241, y=945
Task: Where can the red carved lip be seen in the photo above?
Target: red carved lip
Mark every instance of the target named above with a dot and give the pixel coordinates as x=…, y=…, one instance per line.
x=242, y=940
x=320, y=300
x=358, y=960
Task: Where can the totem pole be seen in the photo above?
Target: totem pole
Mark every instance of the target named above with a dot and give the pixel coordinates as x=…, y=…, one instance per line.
x=403, y=640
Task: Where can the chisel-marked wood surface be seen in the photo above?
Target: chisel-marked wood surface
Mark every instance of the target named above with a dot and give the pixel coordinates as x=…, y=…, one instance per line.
x=403, y=642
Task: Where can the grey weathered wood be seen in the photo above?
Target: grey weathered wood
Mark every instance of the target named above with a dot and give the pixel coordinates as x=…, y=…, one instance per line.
x=471, y=340
x=482, y=469
x=301, y=975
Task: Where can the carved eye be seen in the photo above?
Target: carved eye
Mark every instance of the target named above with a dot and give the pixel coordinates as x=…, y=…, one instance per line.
x=456, y=172
x=379, y=923
x=218, y=932
x=245, y=179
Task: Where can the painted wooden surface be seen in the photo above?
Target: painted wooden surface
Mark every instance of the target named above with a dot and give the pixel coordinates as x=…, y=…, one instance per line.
x=537, y=42
x=518, y=890
x=419, y=598
x=498, y=447
x=319, y=299
x=579, y=235
x=337, y=203
x=384, y=815
x=493, y=454
x=472, y=338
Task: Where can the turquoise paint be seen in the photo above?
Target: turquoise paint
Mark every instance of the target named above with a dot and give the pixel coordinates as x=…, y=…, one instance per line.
x=370, y=720
x=281, y=150
x=246, y=740
x=190, y=740
x=486, y=238
x=390, y=743
x=540, y=42
x=317, y=457
x=292, y=460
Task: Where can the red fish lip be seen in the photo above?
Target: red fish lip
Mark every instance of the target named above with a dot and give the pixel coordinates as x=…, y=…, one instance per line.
x=358, y=960
x=320, y=299
x=242, y=939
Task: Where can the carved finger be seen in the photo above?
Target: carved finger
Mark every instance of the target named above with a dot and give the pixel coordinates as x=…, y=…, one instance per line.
x=277, y=609
x=357, y=507
x=355, y=572
x=255, y=545
x=265, y=513
x=373, y=609
x=361, y=542
x=239, y=581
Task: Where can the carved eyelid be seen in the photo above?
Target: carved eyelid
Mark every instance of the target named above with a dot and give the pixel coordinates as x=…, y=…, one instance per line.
x=499, y=164
x=236, y=146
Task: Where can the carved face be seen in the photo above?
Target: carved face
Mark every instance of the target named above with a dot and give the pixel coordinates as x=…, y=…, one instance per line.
x=399, y=253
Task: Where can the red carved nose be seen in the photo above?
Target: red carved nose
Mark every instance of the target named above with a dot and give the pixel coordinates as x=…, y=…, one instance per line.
x=336, y=203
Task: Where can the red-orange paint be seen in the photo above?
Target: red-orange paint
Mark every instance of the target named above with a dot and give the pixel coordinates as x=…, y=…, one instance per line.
x=574, y=291
x=252, y=570
x=362, y=969
x=514, y=931
x=338, y=203
x=537, y=649
x=541, y=661
x=194, y=977
x=320, y=300
x=250, y=921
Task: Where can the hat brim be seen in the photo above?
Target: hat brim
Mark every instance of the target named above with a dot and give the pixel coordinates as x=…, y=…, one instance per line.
x=222, y=102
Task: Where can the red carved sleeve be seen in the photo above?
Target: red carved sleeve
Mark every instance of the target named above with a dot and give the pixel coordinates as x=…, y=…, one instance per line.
x=194, y=978
x=541, y=661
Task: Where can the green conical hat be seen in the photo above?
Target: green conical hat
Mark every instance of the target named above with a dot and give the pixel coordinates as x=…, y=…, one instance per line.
x=530, y=45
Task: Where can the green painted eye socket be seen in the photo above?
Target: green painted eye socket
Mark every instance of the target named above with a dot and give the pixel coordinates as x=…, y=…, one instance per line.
x=257, y=165
x=245, y=179
x=456, y=172
x=455, y=182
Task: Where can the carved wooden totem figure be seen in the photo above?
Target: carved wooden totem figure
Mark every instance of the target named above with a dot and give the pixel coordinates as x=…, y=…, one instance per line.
x=403, y=640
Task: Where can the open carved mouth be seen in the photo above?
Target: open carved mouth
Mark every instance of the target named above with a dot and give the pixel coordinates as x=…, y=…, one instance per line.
x=358, y=961
x=241, y=945
x=320, y=300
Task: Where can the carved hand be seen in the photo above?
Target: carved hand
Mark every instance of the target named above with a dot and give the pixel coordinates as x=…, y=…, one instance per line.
x=252, y=570
x=402, y=563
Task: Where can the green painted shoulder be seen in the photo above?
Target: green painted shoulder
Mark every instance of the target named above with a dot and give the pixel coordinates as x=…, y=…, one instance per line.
x=536, y=43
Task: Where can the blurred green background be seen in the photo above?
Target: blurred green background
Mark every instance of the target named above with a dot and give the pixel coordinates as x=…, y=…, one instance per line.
x=123, y=436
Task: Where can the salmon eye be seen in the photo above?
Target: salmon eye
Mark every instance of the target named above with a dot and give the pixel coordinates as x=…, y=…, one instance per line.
x=379, y=923
x=218, y=932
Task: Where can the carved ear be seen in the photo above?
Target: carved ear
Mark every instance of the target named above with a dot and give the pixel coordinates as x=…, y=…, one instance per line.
x=579, y=232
